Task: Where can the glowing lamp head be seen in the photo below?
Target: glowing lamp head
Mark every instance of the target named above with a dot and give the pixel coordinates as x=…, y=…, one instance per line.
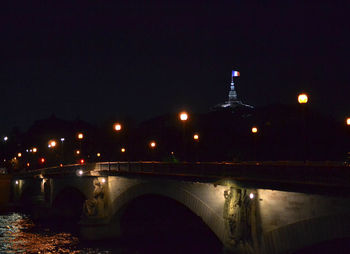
x=251, y=195
x=6, y=138
x=28, y=164
x=123, y=150
x=19, y=154
x=348, y=121
x=62, y=140
x=34, y=149
x=80, y=136
x=303, y=98
x=79, y=172
x=103, y=180
x=52, y=143
x=42, y=160
x=98, y=155
x=183, y=116
x=152, y=144
x=82, y=161
x=117, y=127
x=77, y=152
x=196, y=137
x=255, y=130
x=16, y=182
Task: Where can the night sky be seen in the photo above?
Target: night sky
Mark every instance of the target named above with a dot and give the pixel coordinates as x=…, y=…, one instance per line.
x=96, y=60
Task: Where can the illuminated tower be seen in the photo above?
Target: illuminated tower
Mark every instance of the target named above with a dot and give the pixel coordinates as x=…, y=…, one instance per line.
x=233, y=100
x=232, y=95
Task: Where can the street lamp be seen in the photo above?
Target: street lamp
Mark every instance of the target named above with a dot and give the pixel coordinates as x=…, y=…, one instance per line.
x=152, y=144
x=196, y=137
x=52, y=143
x=6, y=138
x=123, y=150
x=254, y=129
x=117, y=127
x=303, y=98
x=80, y=136
x=348, y=121
x=183, y=116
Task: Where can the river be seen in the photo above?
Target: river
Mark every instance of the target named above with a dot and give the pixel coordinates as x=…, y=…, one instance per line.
x=20, y=234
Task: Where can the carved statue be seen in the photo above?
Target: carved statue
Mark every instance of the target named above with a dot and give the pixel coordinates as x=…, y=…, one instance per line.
x=95, y=206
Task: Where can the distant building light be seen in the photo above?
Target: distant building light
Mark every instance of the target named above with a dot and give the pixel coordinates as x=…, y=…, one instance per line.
x=6, y=138
x=16, y=182
x=103, y=180
x=62, y=139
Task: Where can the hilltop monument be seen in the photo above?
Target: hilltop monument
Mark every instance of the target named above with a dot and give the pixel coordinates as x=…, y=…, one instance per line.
x=233, y=101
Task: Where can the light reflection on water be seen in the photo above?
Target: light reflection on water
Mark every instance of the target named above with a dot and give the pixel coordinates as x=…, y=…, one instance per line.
x=18, y=234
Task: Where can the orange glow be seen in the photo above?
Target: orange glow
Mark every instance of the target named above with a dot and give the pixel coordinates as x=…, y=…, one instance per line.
x=80, y=135
x=82, y=161
x=152, y=144
x=117, y=127
x=303, y=98
x=77, y=152
x=35, y=149
x=61, y=165
x=254, y=130
x=348, y=121
x=183, y=116
x=98, y=154
x=123, y=150
x=28, y=164
x=196, y=137
x=52, y=143
x=19, y=154
x=42, y=160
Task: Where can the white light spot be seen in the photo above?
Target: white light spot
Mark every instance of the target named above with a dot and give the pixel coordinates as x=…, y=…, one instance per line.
x=251, y=195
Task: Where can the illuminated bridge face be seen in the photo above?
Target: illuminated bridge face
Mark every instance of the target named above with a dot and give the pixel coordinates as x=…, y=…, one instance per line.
x=237, y=202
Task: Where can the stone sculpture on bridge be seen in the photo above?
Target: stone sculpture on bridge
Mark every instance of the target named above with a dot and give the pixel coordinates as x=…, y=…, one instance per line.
x=96, y=206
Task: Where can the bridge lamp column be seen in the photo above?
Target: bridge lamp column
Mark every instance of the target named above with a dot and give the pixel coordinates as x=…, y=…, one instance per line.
x=303, y=99
x=255, y=132
x=62, y=149
x=80, y=138
x=184, y=116
x=152, y=145
x=118, y=128
x=196, y=144
x=347, y=121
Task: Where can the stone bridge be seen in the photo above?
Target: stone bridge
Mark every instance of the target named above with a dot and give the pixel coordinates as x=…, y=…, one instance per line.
x=250, y=207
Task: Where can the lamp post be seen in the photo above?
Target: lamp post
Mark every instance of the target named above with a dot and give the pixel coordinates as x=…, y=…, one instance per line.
x=303, y=99
x=183, y=116
x=255, y=132
x=196, y=143
x=152, y=145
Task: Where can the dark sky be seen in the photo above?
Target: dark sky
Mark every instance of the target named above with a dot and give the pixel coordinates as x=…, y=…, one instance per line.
x=98, y=59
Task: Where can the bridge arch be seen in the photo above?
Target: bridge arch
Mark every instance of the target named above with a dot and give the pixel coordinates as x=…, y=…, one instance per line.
x=174, y=192
x=68, y=203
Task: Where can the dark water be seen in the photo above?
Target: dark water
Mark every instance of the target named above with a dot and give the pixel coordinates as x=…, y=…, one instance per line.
x=20, y=234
